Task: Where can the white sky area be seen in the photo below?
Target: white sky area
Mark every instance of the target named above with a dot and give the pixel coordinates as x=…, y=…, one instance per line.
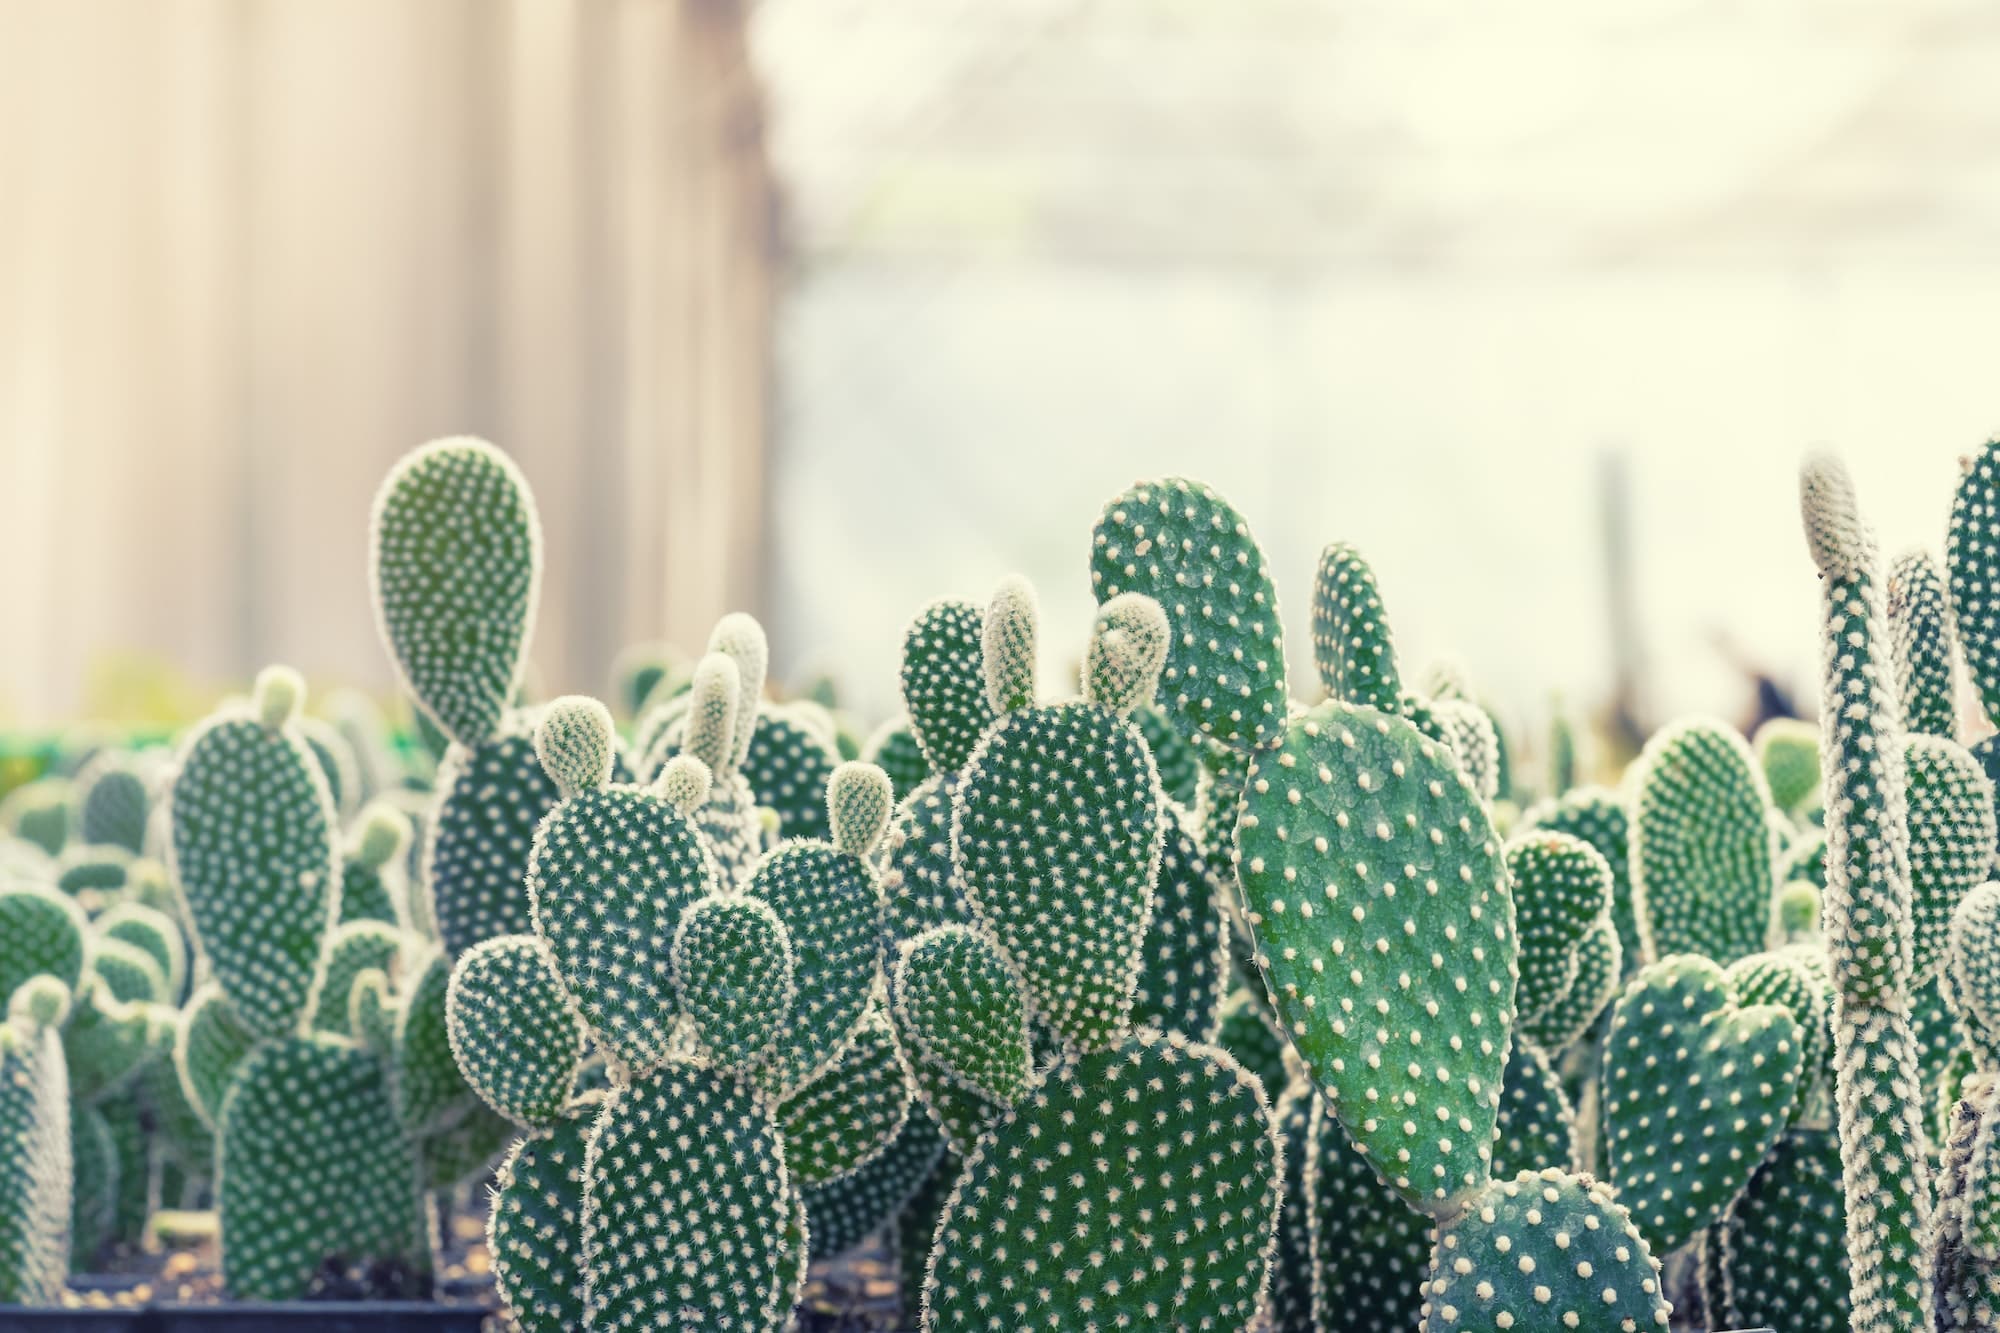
x=1395, y=274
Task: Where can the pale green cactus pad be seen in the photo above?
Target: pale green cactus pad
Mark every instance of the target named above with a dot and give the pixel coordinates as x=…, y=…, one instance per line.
x=42, y=933
x=1175, y=1135
x=1679, y=1048
x=151, y=930
x=1920, y=625
x=1950, y=811
x=1058, y=829
x=728, y=1263
x=1352, y=645
x=1562, y=889
x=961, y=1010
x=1787, y=751
x=1184, y=546
x=127, y=971
x=1545, y=1250
x=430, y=1091
x=849, y=1115
x=313, y=1164
x=1378, y=892
x=1702, y=872
x=456, y=565
x=512, y=1030
x=256, y=850
x=35, y=1165
x=534, y=1229
x=112, y=801
x=1782, y=1249
x=610, y=873
x=210, y=1041
x=1537, y=1127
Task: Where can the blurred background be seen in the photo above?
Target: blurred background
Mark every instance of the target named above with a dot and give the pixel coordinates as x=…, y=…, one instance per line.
x=823, y=308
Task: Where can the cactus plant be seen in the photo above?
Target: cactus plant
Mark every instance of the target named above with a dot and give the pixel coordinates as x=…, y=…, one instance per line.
x=35, y=1167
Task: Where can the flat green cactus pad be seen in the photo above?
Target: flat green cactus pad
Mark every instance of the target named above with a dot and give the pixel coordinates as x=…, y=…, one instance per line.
x=1058, y=829
x=787, y=768
x=314, y=1165
x=1783, y=1247
x=356, y=947
x=256, y=851
x=848, y=1116
x=490, y=797
x=1184, y=972
x=962, y=1011
x=1562, y=889
x=920, y=879
x=1702, y=872
x=1599, y=965
x=1537, y=1126
x=1288, y=1297
x=209, y=1043
x=534, y=1230
x=1172, y=1140
x=1598, y=816
x=830, y=904
x=944, y=682
x=1372, y=1249
x=1376, y=887
x=733, y=972
x=456, y=559
x=1545, y=1250
x=1920, y=624
x=703, y=1148
x=611, y=871
x=1695, y=1091
x=152, y=930
x=894, y=748
x=1352, y=645
x=1950, y=812
x=847, y=1209
x=512, y=1029
x=430, y=1091
x=1183, y=545
x=35, y=1165
x=41, y=933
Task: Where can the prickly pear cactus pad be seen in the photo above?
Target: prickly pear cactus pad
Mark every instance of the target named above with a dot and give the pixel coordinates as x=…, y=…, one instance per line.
x=1598, y=816
x=1288, y=1295
x=456, y=564
x=1973, y=968
x=1562, y=889
x=430, y=1092
x=1352, y=646
x=1920, y=623
x=512, y=1031
x=702, y=1148
x=490, y=798
x=1600, y=963
x=1794, y=979
x=534, y=1228
x=1371, y=1250
x=1183, y=545
x=1951, y=841
x=609, y=875
x=1385, y=930
x=1701, y=844
x=1057, y=826
x=1784, y=1244
x=1184, y=973
x=1136, y=1187
x=313, y=1163
x=153, y=932
x=944, y=682
x=733, y=973
x=41, y=933
x=829, y=903
x=850, y=1114
x=1972, y=559
x=256, y=852
x=787, y=768
x=127, y=971
x=960, y=1008
x=921, y=880
x=895, y=750
x=848, y=1209
x=35, y=1170
x=1546, y=1250
x=1537, y=1127
x=111, y=803
x=1695, y=1091
x=354, y=948
x=210, y=1041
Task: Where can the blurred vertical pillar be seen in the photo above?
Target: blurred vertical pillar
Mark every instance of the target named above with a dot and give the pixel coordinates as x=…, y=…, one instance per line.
x=253, y=250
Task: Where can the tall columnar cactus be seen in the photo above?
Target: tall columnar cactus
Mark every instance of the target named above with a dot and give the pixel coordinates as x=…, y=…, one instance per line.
x=1920, y=626
x=1702, y=855
x=1867, y=915
x=35, y=1171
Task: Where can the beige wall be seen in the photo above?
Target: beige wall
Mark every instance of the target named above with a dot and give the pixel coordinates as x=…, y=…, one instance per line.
x=251, y=250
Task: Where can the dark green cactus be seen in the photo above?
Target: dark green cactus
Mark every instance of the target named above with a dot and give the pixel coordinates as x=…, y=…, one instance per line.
x=255, y=853
x=373, y=886
x=787, y=767
x=1951, y=835
x=1971, y=544
x=1922, y=644
x=1702, y=859
x=1186, y=548
x=961, y=1010
x=113, y=799
x=847, y=1209
x=512, y=1030
x=1177, y=1140
x=35, y=1161
x=41, y=934
x=1537, y=1127
x=1184, y=964
x=456, y=565
x=846, y=1118
x=1599, y=816
x=534, y=1227
x=1562, y=891
x=1377, y=889
x=1352, y=645
x=734, y=975
x=1371, y=1250
x=357, y=947
x=1781, y=1253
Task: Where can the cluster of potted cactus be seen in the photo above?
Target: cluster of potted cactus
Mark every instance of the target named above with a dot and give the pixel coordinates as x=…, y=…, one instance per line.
x=1186, y=1003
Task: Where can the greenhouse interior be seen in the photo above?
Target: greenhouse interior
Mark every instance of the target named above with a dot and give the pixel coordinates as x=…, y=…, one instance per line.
x=1059, y=666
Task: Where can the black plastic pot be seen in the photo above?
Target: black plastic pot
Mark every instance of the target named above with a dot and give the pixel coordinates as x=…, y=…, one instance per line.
x=289, y=1317
x=317, y=1317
